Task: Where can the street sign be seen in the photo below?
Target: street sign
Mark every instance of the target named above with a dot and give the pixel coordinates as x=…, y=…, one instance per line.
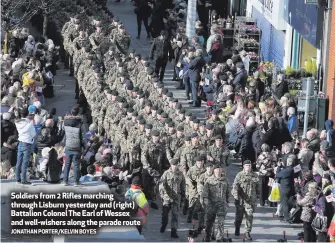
x=311, y=2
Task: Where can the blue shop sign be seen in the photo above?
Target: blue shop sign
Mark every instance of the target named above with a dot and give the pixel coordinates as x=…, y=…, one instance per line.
x=303, y=18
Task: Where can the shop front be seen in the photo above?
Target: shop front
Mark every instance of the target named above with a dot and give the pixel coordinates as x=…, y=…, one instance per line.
x=305, y=19
x=269, y=17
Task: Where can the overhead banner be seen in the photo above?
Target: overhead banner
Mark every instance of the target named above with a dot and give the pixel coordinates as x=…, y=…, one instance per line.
x=305, y=19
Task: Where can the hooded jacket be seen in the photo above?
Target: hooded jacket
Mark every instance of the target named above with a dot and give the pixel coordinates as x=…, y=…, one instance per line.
x=7, y=129
x=26, y=131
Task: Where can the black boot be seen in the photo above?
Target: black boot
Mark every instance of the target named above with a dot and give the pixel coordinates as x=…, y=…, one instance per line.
x=208, y=238
x=237, y=231
x=153, y=205
x=174, y=234
x=138, y=33
x=248, y=236
x=162, y=230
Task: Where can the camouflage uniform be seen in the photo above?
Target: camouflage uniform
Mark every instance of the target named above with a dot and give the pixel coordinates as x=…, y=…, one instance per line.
x=154, y=161
x=220, y=155
x=191, y=179
x=215, y=196
x=171, y=187
x=173, y=143
x=188, y=155
x=245, y=194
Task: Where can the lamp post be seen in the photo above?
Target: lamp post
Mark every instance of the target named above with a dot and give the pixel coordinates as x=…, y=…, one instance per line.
x=191, y=18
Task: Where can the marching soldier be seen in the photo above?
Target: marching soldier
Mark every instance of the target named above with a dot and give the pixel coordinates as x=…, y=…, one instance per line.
x=218, y=153
x=171, y=189
x=245, y=194
x=215, y=196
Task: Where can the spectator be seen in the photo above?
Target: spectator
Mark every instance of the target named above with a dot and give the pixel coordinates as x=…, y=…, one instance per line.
x=260, y=86
x=26, y=139
x=240, y=79
x=92, y=129
x=293, y=121
x=90, y=174
x=73, y=141
x=53, y=167
x=285, y=176
x=307, y=202
x=314, y=140
x=247, y=150
x=7, y=127
x=8, y=155
x=281, y=88
x=194, y=70
x=306, y=156
x=236, y=58
x=284, y=107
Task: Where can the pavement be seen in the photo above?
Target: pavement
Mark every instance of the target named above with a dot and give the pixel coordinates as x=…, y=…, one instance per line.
x=266, y=228
x=125, y=12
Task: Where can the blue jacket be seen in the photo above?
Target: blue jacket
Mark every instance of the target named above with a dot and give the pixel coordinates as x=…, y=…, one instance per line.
x=293, y=124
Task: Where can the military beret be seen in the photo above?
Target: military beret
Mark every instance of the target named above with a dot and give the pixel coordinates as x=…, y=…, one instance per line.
x=202, y=123
x=99, y=25
x=171, y=124
x=141, y=96
x=118, y=59
x=92, y=53
x=171, y=99
x=135, y=113
x=140, y=117
x=217, y=166
x=209, y=126
x=130, y=110
x=175, y=100
x=168, y=120
x=142, y=122
x=116, y=19
x=145, y=58
x=77, y=16
x=173, y=161
x=160, y=111
x=136, y=54
x=136, y=89
x=130, y=86
x=208, y=164
x=182, y=110
x=194, y=135
x=121, y=64
x=115, y=93
x=150, y=70
x=199, y=158
x=119, y=99
x=148, y=126
x=109, y=91
x=192, y=118
x=247, y=162
x=165, y=91
x=90, y=57
x=188, y=113
x=125, y=105
x=155, y=133
x=107, y=88
x=197, y=121
x=100, y=75
x=180, y=128
x=179, y=106
x=155, y=108
x=188, y=138
x=148, y=103
x=132, y=51
x=97, y=17
x=160, y=85
x=87, y=49
x=216, y=111
x=218, y=137
x=147, y=64
x=169, y=94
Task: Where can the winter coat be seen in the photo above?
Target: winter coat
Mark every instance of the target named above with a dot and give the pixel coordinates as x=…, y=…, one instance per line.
x=9, y=154
x=307, y=203
x=285, y=177
x=314, y=145
x=323, y=207
x=7, y=129
x=240, y=79
x=53, y=167
x=247, y=149
x=45, y=138
x=281, y=89
x=195, y=68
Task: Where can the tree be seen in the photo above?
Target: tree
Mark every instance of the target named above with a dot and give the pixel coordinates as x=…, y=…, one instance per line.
x=15, y=13
x=47, y=8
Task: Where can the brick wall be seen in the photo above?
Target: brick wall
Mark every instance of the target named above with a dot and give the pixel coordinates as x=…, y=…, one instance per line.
x=331, y=69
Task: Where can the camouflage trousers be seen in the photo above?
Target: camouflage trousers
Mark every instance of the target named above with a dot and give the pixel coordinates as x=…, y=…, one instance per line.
x=196, y=211
x=246, y=210
x=174, y=208
x=214, y=211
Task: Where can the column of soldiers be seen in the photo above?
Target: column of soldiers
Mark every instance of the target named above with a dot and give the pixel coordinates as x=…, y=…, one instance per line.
x=179, y=157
